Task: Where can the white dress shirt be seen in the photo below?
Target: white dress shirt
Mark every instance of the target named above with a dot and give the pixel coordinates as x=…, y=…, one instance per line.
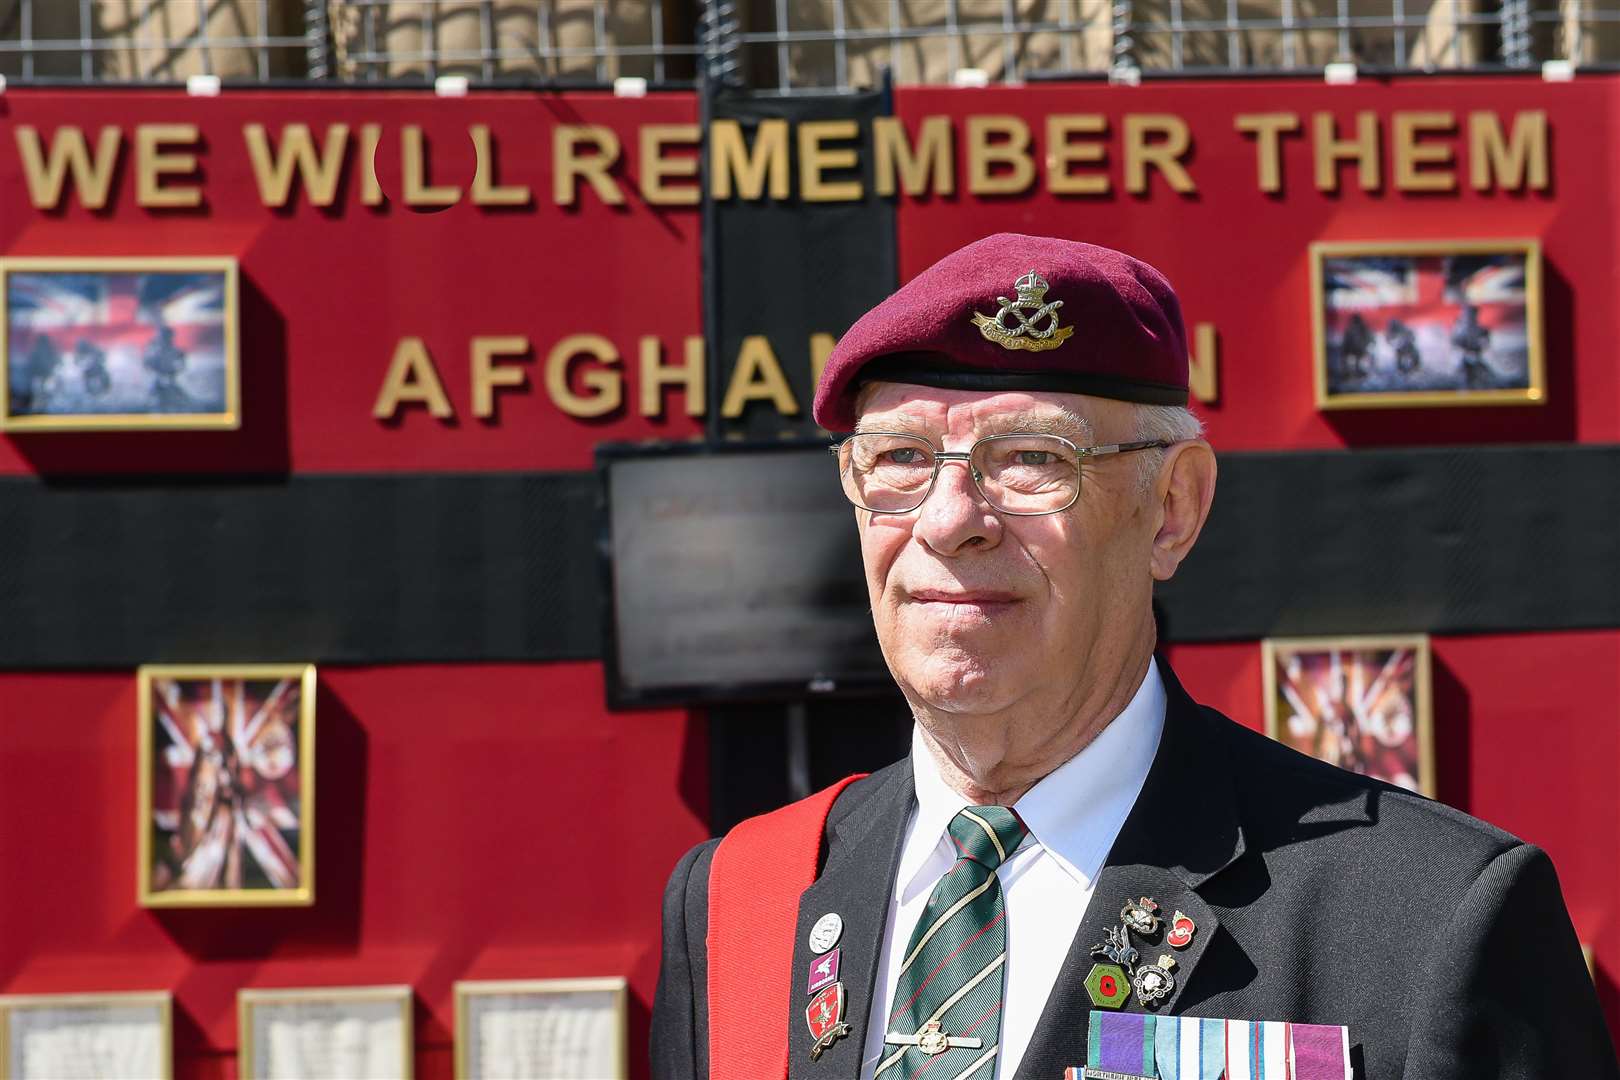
x=1073, y=816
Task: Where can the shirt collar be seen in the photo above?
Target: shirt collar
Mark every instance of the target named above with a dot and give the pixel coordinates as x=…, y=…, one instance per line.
x=1074, y=812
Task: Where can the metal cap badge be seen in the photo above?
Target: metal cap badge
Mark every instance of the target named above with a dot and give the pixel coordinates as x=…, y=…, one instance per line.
x=1028, y=331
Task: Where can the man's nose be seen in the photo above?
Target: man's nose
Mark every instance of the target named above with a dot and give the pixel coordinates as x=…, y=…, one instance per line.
x=955, y=516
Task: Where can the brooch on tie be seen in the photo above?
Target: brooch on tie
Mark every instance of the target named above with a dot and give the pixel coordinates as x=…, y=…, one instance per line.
x=1118, y=972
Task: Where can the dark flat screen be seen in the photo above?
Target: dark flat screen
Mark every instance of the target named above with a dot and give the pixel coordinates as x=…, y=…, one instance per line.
x=734, y=574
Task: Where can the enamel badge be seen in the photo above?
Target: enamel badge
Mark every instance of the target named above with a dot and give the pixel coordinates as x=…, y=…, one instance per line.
x=1142, y=916
x=825, y=1015
x=1028, y=322
x=824, y=972
x=1108, y=986
x=1153, y=982
x=1181, y=931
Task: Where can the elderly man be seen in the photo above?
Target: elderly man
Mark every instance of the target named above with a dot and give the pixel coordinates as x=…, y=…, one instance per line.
x=1073, y=840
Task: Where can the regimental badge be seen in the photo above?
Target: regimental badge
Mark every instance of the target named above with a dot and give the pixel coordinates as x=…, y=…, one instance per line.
x=1181, y=931
x=1116, y=946
x=825, y=1015
x=825, y=934
x=1141, y=916
x=1153, y=982
x=1108, y=986
x=824, y=971
x=1011, y=328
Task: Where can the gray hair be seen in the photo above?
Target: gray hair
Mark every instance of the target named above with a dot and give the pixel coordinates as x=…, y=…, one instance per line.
x=1161, y=423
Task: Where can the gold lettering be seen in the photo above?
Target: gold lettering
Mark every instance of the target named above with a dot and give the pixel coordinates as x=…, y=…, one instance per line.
x=275, y=166
x=606, y=385
x=487, y=374
x=1201, y=378
x=931, y=160
x=815, y=160
x=1492, y=159
x=1268, y=130
x=412, y=379
x=485, y=190
x=1061, y=153
x=371, y=192
x=418, y=192
x=1330, y=150
x=656, y=169
x=1411, y=153
x=46, y=172
x=821, y=347
x=758, y=377
x=1011, y=148
x=568, y=166
x=152, y=164
x=1159, y=140
x=655, y=375
x=733, y=165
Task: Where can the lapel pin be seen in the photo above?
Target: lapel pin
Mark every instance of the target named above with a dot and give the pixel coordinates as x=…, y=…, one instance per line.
x=825, y=934
x=1141, y=915
x=1153, y=982
x=825, y=1015
x=824, y=971
x=1181, y=931
x=1108, y=986
x=931, y=1039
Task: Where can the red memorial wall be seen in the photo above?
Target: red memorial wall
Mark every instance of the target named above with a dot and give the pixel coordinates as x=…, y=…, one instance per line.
x=451, y=796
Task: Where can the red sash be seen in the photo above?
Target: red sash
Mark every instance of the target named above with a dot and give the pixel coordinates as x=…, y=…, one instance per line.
x=755, y=879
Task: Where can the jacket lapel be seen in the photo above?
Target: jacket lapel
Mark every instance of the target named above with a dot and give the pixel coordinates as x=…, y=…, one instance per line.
x=1182, y=831
x=863, y=848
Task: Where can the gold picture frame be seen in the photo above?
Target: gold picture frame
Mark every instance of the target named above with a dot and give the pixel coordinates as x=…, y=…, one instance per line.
x=616, y=987
x=260, y=742
x=248, y=1001
x=1409, y=369
x=1381, y=703
x=93, y=361
x=162, y=1000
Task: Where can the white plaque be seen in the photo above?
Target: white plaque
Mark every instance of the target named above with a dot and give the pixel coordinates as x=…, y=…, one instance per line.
x=343, y=1033
x=543, y=1029
x=85, y=1036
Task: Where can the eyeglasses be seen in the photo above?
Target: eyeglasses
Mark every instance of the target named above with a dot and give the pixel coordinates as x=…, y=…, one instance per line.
x=1024, y=475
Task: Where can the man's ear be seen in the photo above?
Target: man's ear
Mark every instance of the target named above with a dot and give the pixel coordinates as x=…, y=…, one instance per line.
x=1184, y=490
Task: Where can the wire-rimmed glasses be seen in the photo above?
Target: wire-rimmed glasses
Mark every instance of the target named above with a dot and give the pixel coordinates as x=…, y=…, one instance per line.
x=1026, y=475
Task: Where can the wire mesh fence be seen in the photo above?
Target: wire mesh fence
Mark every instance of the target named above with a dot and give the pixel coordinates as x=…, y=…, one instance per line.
x=785, y=46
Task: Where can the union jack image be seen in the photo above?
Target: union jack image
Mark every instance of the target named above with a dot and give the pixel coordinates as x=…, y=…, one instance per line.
x=115, y=342
x=226, y=783
x=1398, y=323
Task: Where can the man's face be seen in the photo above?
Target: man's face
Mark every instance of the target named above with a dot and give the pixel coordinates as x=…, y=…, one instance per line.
x=977, y=610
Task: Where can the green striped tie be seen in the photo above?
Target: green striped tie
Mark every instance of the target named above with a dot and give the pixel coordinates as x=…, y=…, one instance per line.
x=951, y=977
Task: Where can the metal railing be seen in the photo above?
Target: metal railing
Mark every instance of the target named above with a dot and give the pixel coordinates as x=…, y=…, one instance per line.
x=780, y=46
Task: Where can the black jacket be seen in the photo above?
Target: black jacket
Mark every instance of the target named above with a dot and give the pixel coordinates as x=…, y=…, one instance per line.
x=1320, y=896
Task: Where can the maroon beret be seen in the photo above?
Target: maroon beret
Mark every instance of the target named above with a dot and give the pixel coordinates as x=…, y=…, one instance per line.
x=1013, y=312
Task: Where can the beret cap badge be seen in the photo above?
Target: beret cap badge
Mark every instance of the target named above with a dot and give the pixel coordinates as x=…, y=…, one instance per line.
x=1011, y=328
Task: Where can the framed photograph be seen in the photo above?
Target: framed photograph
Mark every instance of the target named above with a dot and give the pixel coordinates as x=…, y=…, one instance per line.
x=1405, y=325
x=227, y=785
x=1361, y=703
x=92, y=344
x=86, y=1036
x=325, y=1033
x=543, y=1029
